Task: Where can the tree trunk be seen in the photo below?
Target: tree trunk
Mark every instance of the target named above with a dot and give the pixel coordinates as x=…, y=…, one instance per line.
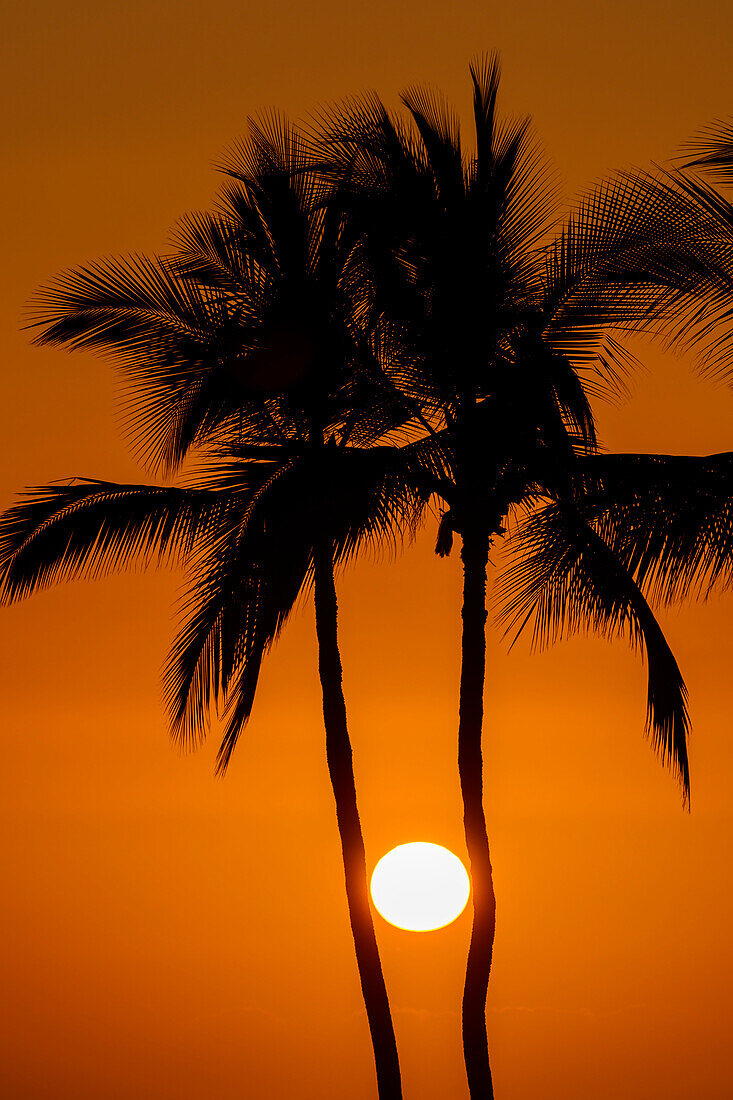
x=474, y=554
x=340, y=766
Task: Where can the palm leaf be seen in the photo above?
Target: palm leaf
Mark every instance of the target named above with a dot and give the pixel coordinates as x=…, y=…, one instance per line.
x=643, y=252
x=712, y=150
x=91, y=528
x=485, y=75
x=565, y=578
x=669, y=518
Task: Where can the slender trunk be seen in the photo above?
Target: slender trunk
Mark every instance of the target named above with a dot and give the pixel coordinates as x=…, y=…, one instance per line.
x=340, y=766
x=474, y=555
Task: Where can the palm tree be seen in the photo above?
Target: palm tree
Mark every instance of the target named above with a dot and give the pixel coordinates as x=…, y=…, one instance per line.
x=504, y=333
x=243, y=349
x=325, y=313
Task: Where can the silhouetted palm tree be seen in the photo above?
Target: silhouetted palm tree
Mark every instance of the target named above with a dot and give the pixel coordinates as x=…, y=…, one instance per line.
x=245, y=347
x=504, y=337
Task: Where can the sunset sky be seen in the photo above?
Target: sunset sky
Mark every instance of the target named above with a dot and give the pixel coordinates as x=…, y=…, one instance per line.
x=169, y=935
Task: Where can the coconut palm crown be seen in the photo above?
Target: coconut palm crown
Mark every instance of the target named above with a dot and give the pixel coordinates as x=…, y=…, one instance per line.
x=506, y=329
x=247, y=375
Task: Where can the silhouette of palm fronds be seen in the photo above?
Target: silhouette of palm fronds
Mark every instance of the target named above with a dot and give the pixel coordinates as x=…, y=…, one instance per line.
x=245, y=355
x=375, y=317
x=507, y=321
x=712, y=151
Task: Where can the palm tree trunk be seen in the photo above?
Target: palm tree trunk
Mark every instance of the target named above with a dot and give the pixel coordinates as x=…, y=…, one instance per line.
x=474, y=554
x=340, y=766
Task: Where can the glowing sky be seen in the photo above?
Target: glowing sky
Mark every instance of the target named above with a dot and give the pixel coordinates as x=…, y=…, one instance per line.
x=168, y=935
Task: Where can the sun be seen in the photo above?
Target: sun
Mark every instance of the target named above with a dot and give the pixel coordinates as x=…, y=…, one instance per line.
x=420, y=886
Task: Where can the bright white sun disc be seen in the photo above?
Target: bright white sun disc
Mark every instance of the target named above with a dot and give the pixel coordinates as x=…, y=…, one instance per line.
x=420, y=886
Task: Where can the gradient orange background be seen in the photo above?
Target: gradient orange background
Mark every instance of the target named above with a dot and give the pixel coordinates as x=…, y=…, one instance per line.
x=166, y=935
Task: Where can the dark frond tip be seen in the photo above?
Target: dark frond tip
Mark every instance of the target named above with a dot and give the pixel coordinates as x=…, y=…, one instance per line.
x=712, y=151
x=271, y=146
x=239, y=706
x=444, y=540
x=668, y=719
x=485, y=70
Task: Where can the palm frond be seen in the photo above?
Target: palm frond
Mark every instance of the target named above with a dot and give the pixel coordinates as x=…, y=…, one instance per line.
x=166, y=331
x=565, y=578
x=485, y=75
x=119, y=306
x=712, y=151
x=645, y=252
x=255, y=567
x=439, y=131
x=224, y=251
x=91, y=528
x=669, y=518
x=239, y=597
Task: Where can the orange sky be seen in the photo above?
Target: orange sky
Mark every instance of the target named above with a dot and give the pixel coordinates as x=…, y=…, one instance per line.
x=168, y=935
